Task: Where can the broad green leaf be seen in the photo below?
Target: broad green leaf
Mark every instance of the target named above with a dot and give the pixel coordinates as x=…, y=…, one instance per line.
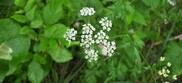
x=138, y=18
x=60, y=55
x=19, y=18
x=44, y=44
x=55, y=31
x=29, y=5
x=53, y=11
x=9, y=34
x=3, y=69
x=5, y=52
x=19, y=3
x=35, y=72
x=31, y=13
x=36, y=23
x=25, y=30
x=39, y=58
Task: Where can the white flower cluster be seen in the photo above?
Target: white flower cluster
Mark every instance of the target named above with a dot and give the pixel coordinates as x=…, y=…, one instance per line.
x=86, y=40
x=108, y=48
x=87, y=11
x=86, y=37
x=165, y=71
x=88, y=29
x=70, y=35
x=172, y=2
x=100, y=37
x=91, y=55
x=106, y=24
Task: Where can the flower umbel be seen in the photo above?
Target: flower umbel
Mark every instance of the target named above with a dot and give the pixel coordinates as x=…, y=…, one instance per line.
x=88, y=29
x=87, y=11
x=86, y=40
x=106, y=24
x=91, y=55
x=108, y=48
x=70, y=35
x=100, y=37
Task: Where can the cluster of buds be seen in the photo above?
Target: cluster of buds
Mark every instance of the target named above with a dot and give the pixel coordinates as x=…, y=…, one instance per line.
x=165, y=72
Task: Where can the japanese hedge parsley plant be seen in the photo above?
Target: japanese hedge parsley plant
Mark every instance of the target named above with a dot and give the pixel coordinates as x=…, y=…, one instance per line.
x=89, y=39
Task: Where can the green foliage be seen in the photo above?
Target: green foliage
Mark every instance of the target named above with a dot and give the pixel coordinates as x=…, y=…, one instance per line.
x=35, y=72
x=144, y=30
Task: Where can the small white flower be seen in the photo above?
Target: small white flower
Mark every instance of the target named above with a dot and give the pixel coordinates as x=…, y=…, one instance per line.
x=165, y=75
x=168, y=64
x=167, y=71
x=167, y=82
x=160, y=72
x=100, y=37
x=162, y=58
x=91, y=55
x=86, y=40
x=106, y=24
x=174, y=77
x=88, y=29
x=108, y=48
x=87, y=11
x=172, y=2
x=166, y=21
x=70, y=35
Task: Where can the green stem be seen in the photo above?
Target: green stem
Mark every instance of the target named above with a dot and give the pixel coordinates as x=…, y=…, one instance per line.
x=166, y=41
x=149, y=66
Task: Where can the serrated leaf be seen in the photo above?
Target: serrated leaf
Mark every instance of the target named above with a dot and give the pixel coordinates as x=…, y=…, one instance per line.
x=25, y=30
x=60, y=55
x=138, y=18
x=19, y=18
x=35, y=72
x=52, y=12
x=56, y=31
x=19, y=3
x=31, y=13
x=40, y=59
x=29, y=5
x=36, y=23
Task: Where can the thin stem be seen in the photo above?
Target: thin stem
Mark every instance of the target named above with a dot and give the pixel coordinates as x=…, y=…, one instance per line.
x=166, y=41
x=149, y=66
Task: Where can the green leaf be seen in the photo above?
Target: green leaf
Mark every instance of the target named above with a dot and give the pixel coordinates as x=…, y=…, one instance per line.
x=59, y=54
x=55, y=31
x=25, y=30
x=19, y=18
x=152, y=3
x=19, y=3
x=3, y=69
x=52, y=12
x=36, y=23
x=173, y=54
x=40, y=59
x=138, y=18
x=31, y=13
x=9, y=34
x=29, y=5
x=35, y=72
x=5, y=52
